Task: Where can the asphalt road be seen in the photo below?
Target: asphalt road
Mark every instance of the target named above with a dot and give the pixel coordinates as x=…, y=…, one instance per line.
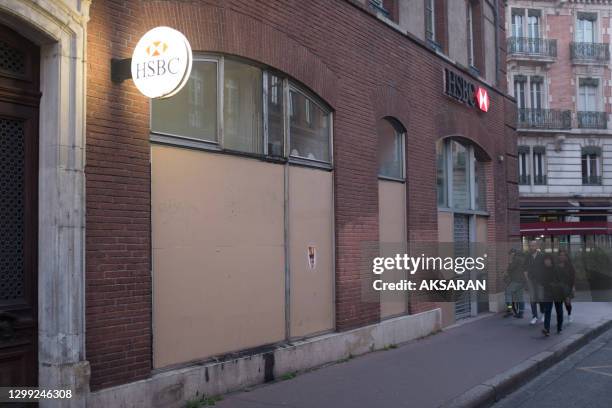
x=584, y=379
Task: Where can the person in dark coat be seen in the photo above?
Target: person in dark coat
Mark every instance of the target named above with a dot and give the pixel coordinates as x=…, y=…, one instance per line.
x=515, y=285
x=568, y=274
x=554, y=291
x=532, y=267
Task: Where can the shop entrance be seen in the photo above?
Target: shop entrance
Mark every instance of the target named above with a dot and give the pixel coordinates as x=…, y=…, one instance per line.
x=19, y=99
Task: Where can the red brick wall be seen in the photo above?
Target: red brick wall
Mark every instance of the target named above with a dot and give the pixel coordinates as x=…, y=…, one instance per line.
x=357, y=64
x=118, y=278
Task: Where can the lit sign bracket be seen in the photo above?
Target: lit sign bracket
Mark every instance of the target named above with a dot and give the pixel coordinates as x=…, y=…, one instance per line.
x=121, y=69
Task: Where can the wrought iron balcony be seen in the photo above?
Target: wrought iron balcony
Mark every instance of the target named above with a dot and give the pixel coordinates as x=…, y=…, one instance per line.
x=591, y=180
x=592, y=120
x=539, y=180
x=590, y=52
x=523, y=179
x=544, y=119
x=532, y=47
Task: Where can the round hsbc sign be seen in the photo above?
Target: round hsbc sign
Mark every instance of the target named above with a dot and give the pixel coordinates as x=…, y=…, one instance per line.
x=161, y=62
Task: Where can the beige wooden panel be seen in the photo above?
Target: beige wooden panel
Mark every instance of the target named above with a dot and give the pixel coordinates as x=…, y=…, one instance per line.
x=445, y=226
x=311, y=218
x=481, y=229
x=392, y=237
x=218, y=254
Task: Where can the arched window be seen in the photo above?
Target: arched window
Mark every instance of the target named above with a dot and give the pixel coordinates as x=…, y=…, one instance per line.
x=391, y=161
x=460, y=176
x=233, y=106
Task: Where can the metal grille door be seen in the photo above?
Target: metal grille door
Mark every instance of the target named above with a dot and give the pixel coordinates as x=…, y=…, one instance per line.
x=12, y=154
x=461, y=236
x=19, y=100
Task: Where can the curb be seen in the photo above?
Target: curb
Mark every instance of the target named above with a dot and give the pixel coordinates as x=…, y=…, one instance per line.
x=494, y=389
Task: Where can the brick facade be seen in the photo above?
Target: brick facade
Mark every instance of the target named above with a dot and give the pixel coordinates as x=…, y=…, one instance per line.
x=361, y=67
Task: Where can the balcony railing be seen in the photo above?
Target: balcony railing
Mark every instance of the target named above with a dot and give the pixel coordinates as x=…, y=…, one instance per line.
x=544, y=119
x=591, y=180
x=590, y=52
x=539, y=180
x=538, y=47
x=524, y=180
x=592, y=120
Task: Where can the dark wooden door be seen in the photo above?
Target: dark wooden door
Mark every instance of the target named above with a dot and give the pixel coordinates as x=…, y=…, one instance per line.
x=19, y=99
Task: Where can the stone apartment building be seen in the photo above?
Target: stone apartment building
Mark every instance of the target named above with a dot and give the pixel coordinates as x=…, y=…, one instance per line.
x=558, y=56
x=215, y=239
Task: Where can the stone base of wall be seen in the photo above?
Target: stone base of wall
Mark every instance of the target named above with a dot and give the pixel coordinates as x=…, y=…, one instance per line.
x=173, y=388
x=497, y=302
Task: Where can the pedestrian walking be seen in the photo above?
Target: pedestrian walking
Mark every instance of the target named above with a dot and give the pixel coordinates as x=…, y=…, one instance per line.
x=532, y=268
x=515, y=285
x=568, y=274
x=554, y=291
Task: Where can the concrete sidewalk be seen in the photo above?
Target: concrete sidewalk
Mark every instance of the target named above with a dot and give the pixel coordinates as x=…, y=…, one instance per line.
x=466, y=365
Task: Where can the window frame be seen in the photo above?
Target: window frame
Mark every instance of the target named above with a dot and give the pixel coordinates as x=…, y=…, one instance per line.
x=598, y=164
x=524, y=14
x=593, y=19
x=189, y=141
x=470, y=34
x=526, y=79
x=597, y=96
x=541, y=157
x=287, y=85
x=536, y=93
x=443, y=147
x=221, y=111
x=304, y=160
x=534, y=14
x=517, y=14
x=449, y=204
x=520, y=85
x=402, y=136
x=523, y=156
x=430, y=13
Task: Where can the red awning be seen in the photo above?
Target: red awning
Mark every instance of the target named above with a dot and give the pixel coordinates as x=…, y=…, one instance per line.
x=566, y=228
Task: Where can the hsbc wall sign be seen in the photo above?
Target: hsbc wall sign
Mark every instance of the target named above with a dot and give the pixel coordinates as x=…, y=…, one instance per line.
x=465, y=91
x=161, y=62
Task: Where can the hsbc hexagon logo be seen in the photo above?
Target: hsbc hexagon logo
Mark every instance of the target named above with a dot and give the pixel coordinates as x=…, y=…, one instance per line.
x=156, y=48
x=482, y=99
